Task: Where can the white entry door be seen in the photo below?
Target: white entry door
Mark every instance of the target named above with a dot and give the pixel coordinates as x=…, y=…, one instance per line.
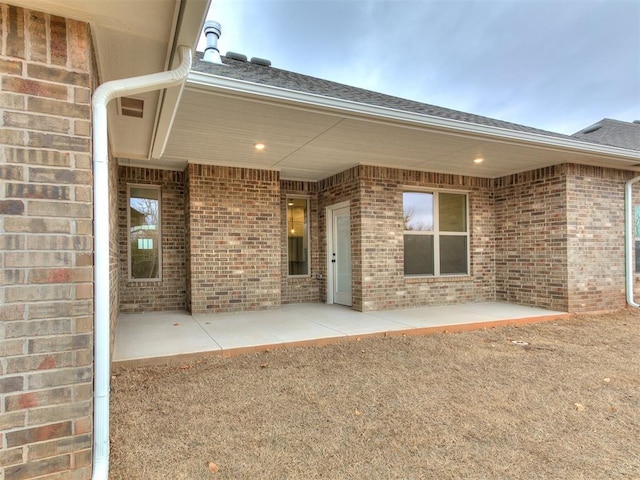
x=340, y=256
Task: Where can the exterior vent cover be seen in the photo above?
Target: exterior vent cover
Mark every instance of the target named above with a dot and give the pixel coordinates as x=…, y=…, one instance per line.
x=131, y=107
x=261, y=61
x=236, y=56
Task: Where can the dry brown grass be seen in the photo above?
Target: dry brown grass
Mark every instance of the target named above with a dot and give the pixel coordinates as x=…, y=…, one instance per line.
x=468, y=405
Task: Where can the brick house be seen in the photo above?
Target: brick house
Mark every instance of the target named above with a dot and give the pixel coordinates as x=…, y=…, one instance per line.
x=246, y=187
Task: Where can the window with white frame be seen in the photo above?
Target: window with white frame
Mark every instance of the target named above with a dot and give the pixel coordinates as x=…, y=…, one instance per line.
x=143, y=217
x=298, y=258
x=436, y=234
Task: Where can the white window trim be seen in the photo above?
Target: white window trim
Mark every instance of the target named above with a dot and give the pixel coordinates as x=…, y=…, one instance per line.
x=308, y=232
x=148, y=187
x=436, y=231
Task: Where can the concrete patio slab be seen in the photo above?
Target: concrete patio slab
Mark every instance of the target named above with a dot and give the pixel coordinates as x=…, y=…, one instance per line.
x=253, y=329
x=159, y=334
x=152, y=338
x=352, y=323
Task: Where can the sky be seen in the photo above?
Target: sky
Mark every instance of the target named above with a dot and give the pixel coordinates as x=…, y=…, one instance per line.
x=558, y=65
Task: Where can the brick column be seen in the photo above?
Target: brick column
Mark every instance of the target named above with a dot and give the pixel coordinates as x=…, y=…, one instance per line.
x=234, y=232
x=46, y=303
x=595, y=238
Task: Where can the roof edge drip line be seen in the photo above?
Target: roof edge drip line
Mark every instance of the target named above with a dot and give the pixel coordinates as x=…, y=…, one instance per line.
x=207, y=81
x=102, y=313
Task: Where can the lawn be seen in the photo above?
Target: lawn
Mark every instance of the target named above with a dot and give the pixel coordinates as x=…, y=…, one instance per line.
x=554, y=400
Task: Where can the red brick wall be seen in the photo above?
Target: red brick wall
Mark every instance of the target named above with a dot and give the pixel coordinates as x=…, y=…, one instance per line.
x=343, y=187
x=377, y=240
x=170, y=292
x=384, y=283
x=560, y=238
x=234, y=232
x=300, y=289
x=537, y=238
x=595, y=238
x=114, y=250
x=46, y=306
x=531, y=242
x=187, y=239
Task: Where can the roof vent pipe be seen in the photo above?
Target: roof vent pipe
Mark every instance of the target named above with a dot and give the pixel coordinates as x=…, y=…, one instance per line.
x=212, y=30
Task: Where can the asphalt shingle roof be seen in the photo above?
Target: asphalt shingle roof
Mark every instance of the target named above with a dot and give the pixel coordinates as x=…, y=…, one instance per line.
x=267, y=75
x=613, y=133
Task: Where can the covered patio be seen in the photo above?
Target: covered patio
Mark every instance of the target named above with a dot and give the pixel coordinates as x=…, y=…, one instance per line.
x=163, y=337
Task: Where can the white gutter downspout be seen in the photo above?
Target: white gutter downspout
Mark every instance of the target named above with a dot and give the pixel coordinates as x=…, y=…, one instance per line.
x=102, y=323
x=628, y=240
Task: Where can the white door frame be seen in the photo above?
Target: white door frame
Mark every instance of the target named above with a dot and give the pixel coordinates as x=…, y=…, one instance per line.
x=329, y=217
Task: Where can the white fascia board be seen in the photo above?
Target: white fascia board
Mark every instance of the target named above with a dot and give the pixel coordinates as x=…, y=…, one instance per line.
x=189, y=20
x=190, y=26
x=207, y=81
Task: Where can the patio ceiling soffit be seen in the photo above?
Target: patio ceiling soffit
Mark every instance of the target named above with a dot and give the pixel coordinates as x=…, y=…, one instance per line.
x=629, y=159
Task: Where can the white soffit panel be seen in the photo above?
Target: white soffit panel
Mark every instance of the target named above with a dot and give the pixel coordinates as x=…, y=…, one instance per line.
x=310, y=136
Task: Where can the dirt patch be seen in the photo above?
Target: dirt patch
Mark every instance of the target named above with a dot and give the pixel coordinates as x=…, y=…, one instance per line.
x=548, y=400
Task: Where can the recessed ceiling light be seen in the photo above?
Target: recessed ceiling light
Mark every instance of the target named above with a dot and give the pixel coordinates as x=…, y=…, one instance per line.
x=478, y=160
x=259, y=146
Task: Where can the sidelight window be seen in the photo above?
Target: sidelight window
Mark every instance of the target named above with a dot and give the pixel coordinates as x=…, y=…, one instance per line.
x=144, y=232
x=298, y=257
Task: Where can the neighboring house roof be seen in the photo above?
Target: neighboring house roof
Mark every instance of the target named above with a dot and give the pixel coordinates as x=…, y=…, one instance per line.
x=267, y=75
x=611, y=132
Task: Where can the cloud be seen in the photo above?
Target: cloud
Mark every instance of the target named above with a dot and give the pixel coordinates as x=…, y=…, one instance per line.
x=557, y=65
